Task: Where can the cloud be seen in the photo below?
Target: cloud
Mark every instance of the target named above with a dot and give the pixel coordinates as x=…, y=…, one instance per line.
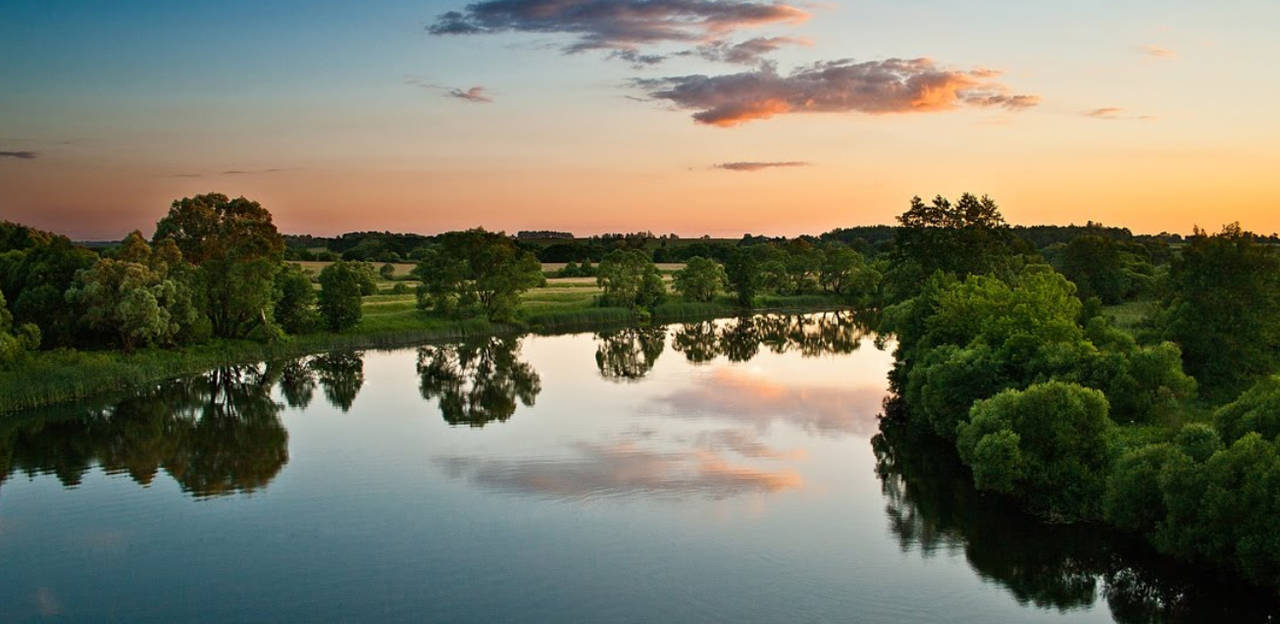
x=623, y=469
x=637, y=60
x=1112, y=112
x=757, y=166
x=245, y=171
x=872, y=87
x=740, y=396
x=1157, y=51
x=474, y=94
x=21, y=154
x=747, y=52
x=616, y=24
x=477, y=94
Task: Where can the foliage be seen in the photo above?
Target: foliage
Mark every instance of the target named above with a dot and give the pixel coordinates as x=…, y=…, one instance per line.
x=473, y=272
x=630, y=279
x=1046, y=444
x=477, y=381
x=969, y=237
x=236, y=250
x=34, y=276
x=1256, y=409
x=340, y=295
x=295, y=300
x=742, y=268
x=1225, y=310
x=701, y=279
x=13, y=345
x=1103, y=267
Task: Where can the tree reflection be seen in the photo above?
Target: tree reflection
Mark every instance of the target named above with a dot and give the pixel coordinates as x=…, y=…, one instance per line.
x=629, y=354
x=477, y=381
x=341, y=375
x=932, y=506
x=740, y=339
x=217, y=433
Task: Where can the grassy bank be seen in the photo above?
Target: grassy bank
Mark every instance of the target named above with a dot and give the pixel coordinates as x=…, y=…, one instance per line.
x=389, y=321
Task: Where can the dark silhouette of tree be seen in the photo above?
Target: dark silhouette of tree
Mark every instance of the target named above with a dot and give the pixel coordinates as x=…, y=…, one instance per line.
x=477, y=381
x=699, y=342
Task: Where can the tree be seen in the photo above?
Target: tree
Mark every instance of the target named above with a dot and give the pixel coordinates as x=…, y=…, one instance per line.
x=476, y=272
x=387, y=271
x=1224, y=310
x=137, y=297
x=1046, y=444
x=339, y=301
x=34, y=280
x=236, y=250
x=13, y=344
x=700, y=279
x=1255, y=410
x=742, y=268
x=969, y=237
x=846, y=272
x=295, y=300
x=629, y=278
x=478, y=381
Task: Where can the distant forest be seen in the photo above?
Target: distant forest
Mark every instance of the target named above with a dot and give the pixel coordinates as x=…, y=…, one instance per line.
x=550, y=246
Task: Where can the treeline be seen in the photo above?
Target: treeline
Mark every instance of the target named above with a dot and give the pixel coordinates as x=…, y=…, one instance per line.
x=556, y=247
x=214, y=269
x=1170, y=431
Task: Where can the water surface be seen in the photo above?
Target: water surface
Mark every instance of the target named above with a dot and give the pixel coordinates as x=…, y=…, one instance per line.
x=720, y=471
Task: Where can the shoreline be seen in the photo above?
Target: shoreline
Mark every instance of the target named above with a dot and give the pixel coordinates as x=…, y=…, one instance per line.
x=61, y=376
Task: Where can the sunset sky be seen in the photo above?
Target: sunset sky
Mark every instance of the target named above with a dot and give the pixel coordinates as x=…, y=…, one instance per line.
x=686, y=116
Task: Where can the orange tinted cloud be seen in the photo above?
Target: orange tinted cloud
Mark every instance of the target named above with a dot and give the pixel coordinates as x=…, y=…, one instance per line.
x=872, y=87
x=1157, y=51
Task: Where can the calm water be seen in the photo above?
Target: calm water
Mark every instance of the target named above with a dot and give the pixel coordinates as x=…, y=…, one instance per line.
x=726, y=471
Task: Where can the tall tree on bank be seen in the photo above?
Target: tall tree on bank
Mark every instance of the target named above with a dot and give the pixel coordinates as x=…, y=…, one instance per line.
x=236, y=250
x=1225, y=310
x=969, y=237
x=475, y=271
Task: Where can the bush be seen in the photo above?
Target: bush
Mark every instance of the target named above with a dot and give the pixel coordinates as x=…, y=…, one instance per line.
x=1046, y=445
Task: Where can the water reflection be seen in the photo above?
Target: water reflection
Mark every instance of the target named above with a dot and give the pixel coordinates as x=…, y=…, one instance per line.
x=932, y=506
x=214, y=434
x=477, y=381
x=713, y=466
x=629, y=354
x=740, y=339
x=752, y=398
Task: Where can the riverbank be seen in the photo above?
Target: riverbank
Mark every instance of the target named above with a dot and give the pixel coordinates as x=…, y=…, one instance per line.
x=57, y=376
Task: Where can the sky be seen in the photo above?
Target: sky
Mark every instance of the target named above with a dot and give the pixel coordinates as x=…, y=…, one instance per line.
x=695, y=117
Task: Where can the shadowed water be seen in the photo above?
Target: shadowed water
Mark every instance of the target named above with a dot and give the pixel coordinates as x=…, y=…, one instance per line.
x=720, y=471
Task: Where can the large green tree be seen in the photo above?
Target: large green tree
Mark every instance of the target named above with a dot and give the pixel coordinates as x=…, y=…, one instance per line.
x=475, y=272
x=340, y=302
x=700, y=279
x=1224, y=309
x=236, y=250
x=630, y=279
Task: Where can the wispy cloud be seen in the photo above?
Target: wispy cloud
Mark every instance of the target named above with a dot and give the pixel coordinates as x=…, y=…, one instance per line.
x=20, y=154
x=617, y=24
x=474, y=94
x=758, y=165
x=747, y=52
x=873, y=87
x=1157, y=51
x=1113, y=112
x=252, y=171
x=477, y=94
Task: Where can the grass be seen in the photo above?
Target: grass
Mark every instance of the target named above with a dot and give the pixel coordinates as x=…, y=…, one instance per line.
x=1130, y=315
x=50, y=377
